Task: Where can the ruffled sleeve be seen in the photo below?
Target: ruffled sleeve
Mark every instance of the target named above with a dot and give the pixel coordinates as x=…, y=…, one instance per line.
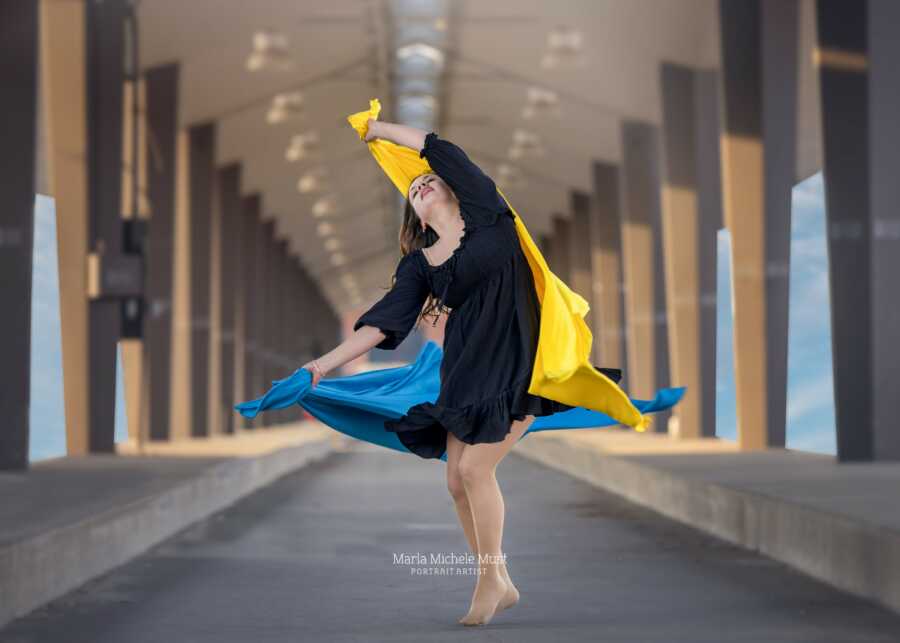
x=475, y=190
x=396, y=312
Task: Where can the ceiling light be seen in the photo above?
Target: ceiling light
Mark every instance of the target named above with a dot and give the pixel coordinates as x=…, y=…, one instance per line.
x=564, y=38
x=525, y=143
x=564, y=46
x=324, y=206
x=338, y=259
x=333, y=243
x=312, y=181
x=270, y=51
x=509, y=175
x=415, y=85
x=541, y=101
x=302, y=146
x=324, y=229
x=285, y=106
x=419, y=52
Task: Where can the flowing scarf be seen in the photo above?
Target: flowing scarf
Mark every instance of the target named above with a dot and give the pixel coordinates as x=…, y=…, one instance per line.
x=357, y=405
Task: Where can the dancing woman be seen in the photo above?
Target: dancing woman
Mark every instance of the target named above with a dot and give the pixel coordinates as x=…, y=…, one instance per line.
x=460, y=252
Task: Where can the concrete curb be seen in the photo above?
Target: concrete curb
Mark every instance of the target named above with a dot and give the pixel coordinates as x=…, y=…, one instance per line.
x=845, y=552
x=36, y=570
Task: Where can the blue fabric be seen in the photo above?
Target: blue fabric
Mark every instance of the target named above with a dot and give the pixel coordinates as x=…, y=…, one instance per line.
x=357, y=405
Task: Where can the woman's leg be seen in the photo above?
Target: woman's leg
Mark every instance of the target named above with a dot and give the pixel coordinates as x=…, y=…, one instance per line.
x=457, y=490
x=477, y=467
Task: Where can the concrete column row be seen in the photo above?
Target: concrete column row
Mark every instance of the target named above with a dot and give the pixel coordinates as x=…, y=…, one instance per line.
x=212, y=333
x=643, y=249
x=653, y=230
x=238, y=297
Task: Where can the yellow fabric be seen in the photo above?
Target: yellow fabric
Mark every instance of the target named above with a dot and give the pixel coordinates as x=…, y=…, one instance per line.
x=562, y=368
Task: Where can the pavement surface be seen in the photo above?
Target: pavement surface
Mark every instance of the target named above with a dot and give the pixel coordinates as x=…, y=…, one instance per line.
x=334, y=552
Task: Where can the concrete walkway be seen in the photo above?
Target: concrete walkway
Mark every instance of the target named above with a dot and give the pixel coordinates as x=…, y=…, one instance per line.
x=837, y=522
x=311, y=557
x=68, y=520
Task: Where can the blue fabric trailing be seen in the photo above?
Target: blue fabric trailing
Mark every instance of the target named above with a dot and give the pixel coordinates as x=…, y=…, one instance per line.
x=357, y=405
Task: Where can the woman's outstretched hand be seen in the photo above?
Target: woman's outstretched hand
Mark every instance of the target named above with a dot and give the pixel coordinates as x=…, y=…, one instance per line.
x=316, y=371
x=371, y=134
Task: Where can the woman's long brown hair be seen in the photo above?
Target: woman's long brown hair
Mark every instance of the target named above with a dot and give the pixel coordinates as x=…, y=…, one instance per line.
x=412, y=238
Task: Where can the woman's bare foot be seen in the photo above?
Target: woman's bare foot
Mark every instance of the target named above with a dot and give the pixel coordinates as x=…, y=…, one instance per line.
x=512, y=594
x=489, y=591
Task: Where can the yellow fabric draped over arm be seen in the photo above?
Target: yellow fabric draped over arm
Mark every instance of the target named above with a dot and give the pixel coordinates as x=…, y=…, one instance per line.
x=562, y=368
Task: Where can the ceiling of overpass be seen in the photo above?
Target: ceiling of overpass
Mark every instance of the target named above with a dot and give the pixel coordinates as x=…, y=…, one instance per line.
x=533, y=90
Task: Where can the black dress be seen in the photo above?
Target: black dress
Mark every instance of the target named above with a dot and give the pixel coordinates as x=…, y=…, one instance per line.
x=491, y=334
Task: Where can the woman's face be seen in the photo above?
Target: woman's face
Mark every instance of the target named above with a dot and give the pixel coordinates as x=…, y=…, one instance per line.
x=427, y=190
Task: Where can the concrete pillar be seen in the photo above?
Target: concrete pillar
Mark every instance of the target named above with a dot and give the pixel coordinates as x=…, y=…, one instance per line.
x=305, y=327
x=317, y=313
x=306, y=314
x=284, y=308
x=293, y=327
x=280, y=359
x=642, y=265
x=135, y=211
x=240, y=288
x=304, y=334
x=135, y=359
x=215, y=379
x=256, y=306
x=82, y=53
x=161, y=114
x=19, y=80
x=562, y=231
x=181, y=411
x=581, y=272
x=202, y=141
x=245, y=298
x=545, y=245
x=268, y=316
x=606, y=260
x=860, y=92
x=230, y=283
x=759, y=66
x=105, y=55
x=709, y=206
x=690, y=258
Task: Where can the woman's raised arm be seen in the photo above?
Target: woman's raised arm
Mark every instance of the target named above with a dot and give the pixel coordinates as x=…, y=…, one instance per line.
x=411, y=137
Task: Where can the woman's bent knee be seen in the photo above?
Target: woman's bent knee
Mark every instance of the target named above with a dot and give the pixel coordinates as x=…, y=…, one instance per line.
x=473, y=472
x=456, y=487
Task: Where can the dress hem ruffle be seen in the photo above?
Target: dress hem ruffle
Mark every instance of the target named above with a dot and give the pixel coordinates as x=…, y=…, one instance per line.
x=423, y=429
